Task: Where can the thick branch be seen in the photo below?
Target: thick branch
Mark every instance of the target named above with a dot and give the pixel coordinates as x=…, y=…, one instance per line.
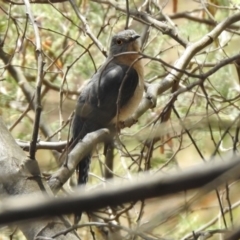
x=21, y=176
x=75, y=156
x=154, y=90
x=142, y=187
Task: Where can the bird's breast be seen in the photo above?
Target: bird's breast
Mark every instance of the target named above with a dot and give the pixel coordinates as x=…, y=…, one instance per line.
x=130, y=107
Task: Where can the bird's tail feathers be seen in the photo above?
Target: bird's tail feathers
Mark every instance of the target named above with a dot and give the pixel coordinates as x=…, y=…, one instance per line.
x=83, y=168
x=82, y=171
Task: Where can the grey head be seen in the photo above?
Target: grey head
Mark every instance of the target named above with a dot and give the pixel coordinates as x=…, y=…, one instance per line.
x=125, y=41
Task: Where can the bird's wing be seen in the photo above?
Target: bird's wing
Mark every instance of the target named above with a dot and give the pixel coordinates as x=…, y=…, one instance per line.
x=97, y=104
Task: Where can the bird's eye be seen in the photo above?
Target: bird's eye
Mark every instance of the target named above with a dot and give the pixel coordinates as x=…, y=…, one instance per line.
x=119, y=41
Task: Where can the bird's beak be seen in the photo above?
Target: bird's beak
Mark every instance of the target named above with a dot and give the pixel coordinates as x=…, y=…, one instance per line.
x=135, y=36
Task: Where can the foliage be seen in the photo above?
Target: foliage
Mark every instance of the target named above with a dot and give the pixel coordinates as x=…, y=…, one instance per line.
x=199, y=124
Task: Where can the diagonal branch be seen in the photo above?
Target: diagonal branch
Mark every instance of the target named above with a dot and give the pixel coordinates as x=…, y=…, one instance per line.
x=116, y=193
x=154, y=90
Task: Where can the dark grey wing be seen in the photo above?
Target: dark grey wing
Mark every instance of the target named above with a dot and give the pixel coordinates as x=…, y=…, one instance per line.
x=97, y=104
x=117, y=77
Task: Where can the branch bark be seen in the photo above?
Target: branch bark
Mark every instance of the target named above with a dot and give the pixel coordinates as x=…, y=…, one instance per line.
x=21, y=176
x=208, y=176
x=154, y=90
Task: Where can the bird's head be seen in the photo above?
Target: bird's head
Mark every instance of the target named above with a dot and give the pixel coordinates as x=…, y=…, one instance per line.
x=125, y=41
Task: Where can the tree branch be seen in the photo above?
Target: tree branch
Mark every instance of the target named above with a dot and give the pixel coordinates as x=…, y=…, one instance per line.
x=144, y=186
x=21, y=176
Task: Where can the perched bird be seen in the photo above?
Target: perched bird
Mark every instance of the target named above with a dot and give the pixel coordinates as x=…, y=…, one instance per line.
x=113, y=93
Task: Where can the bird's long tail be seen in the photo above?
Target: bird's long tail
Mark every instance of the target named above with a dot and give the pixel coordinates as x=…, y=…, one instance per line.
x=82, y=172
x=83, y=168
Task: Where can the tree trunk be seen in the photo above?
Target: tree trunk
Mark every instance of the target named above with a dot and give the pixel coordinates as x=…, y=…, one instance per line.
x=20, y=175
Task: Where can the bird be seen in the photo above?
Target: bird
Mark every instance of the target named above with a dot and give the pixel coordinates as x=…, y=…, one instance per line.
x=111, y=95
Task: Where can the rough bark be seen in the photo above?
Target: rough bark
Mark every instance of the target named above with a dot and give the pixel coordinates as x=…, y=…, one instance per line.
x=20, y=176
